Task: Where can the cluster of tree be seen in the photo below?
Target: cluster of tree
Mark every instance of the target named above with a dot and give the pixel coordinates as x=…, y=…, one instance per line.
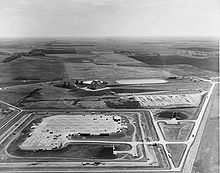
x=66, y=84
x=12, y=57
x=172, y=77
x=77, y=82
x=123, y=105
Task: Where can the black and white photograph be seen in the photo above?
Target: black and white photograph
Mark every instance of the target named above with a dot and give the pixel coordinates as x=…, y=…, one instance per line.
x=109, y=86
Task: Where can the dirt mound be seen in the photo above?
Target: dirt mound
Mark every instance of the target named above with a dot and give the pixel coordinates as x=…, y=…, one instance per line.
x=171, y=115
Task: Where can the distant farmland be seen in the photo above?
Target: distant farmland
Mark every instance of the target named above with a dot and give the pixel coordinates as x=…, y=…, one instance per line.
x=56, y=51
x=200, y=49
x=70, y=45
x=206, y=63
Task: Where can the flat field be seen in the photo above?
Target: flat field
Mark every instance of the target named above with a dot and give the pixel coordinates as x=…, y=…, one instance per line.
x=176, y=132
x=206, y=63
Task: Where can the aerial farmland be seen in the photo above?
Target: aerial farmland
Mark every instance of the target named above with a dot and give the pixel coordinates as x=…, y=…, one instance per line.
x=103, y=105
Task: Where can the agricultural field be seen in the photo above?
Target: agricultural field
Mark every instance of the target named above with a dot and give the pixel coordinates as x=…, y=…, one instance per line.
x=207, y=63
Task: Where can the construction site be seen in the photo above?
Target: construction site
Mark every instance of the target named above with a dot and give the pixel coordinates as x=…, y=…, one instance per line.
x=56, y=131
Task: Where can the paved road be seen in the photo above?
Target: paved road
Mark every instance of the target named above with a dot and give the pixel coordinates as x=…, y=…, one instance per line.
x=197, y=125
x=11, y=119
x=192, y=152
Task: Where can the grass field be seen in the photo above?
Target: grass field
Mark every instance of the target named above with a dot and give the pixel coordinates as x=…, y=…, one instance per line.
x=75, y=152
x=31, y=68
x=90, y=71
x=49, y=96
x=176, y=132
x=148, y=127
x=160, y=155
x=176, y=151
x=207, y=64
x=187, y=70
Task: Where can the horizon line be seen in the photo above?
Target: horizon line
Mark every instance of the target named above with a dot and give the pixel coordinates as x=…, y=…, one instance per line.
x=118, y=36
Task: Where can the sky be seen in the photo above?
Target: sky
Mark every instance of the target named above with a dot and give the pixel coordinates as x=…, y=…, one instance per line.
x=97, y=18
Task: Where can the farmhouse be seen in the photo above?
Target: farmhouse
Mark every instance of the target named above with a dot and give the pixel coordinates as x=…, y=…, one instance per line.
x=96, y=84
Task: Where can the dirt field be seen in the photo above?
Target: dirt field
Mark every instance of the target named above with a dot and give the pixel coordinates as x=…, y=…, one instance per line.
x=191, y=100
x=189, y=113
